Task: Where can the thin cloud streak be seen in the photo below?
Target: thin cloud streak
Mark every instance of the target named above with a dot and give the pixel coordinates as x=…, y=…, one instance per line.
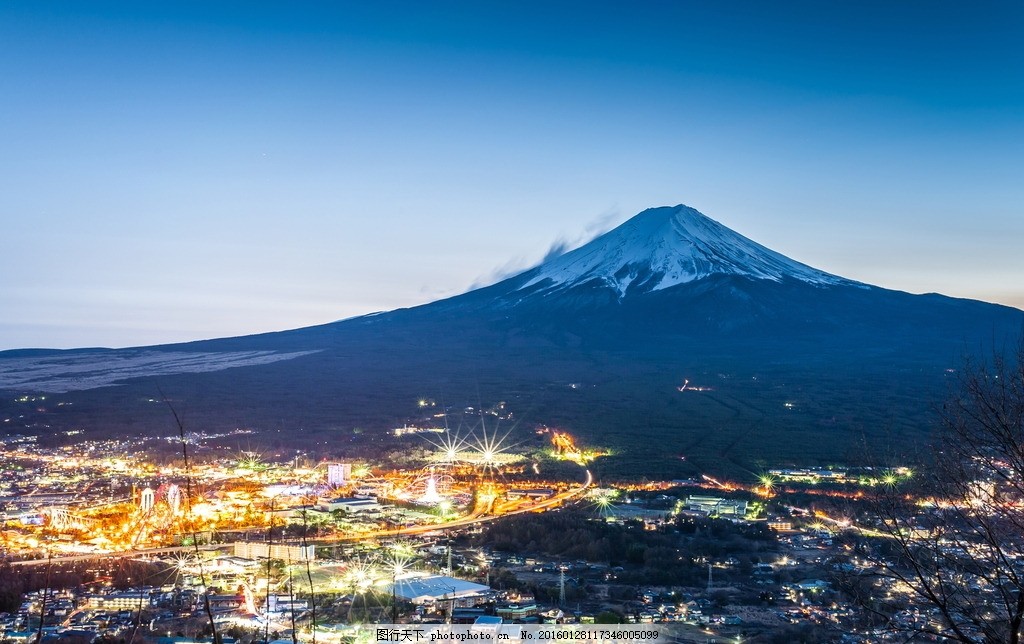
x=560, y=246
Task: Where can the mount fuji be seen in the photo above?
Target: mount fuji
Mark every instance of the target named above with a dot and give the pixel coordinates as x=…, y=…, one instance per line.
x=675, y=341
x=664, y=247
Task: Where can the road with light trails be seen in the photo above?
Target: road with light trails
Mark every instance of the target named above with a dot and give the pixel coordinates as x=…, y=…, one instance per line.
x=472, y=519
x=843, y=524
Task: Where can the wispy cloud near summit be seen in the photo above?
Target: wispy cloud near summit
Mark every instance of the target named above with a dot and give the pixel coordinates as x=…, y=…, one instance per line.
x=560, y=246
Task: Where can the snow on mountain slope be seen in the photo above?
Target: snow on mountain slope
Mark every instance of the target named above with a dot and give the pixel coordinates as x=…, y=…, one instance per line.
x=59, y=372
x=663, y=247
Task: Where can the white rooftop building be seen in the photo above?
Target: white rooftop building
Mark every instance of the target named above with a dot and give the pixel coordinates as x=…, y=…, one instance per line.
x=438, y=588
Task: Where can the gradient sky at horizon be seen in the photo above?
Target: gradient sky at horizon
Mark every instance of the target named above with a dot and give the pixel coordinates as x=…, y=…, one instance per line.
x=178, y=171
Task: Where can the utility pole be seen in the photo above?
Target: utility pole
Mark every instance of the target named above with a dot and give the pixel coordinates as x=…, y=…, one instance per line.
x=451, y=604
x=270, y=546
x=448, y=568
x=46, y=589
x=394, y=596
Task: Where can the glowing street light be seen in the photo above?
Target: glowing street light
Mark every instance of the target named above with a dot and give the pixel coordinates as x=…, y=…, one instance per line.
x=449, y=445
x=603, y=500
x=489, y=447
x=767, y=484
x=444, y=507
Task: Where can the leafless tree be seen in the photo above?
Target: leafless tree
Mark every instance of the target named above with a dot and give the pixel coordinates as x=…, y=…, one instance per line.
x=950, y=566
x=216, y=638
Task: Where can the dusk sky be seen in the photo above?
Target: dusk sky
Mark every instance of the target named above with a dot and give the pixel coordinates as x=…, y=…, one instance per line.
x=178, y=171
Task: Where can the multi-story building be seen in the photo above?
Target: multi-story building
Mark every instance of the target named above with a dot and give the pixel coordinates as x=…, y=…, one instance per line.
x=339, y=473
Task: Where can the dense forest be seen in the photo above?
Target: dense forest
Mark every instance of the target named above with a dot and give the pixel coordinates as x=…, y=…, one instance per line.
x=674, y=554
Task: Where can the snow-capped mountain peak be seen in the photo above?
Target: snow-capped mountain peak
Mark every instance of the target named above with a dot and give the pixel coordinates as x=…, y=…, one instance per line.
x=663, y=247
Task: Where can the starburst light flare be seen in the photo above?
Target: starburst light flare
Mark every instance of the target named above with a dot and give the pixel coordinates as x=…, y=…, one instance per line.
x=450, y=445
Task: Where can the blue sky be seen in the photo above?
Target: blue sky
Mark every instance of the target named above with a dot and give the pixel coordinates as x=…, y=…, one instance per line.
x=198, y=169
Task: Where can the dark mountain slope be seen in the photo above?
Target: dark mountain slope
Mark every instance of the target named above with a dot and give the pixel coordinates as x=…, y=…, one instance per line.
x=797, y=365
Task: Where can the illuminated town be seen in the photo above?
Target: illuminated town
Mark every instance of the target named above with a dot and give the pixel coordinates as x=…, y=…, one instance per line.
x=278, y=545
x=96, y=498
